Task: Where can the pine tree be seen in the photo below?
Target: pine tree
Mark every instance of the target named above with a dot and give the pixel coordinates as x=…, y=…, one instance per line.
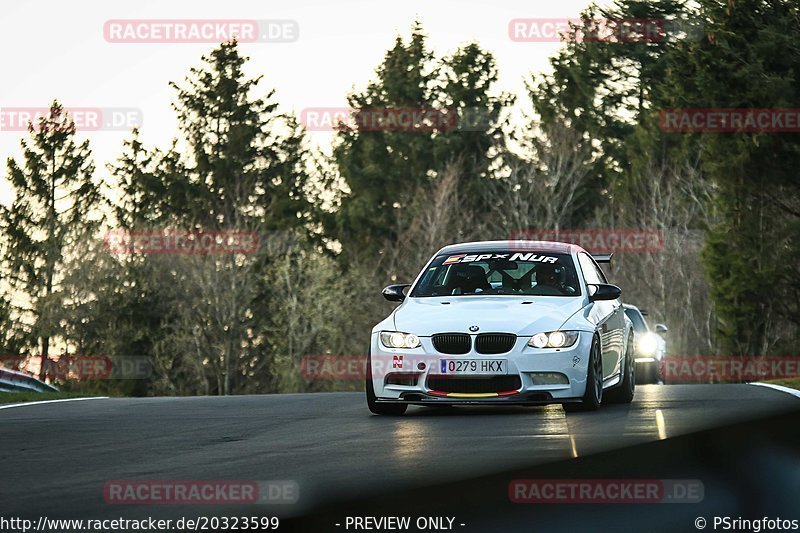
x=244, y=161
x=479, y=141
x=749, y=60
x=381, y=169
x=384, y=169
x=239, y=165
x=55, y=207
x=142, y=195
x=604, y=88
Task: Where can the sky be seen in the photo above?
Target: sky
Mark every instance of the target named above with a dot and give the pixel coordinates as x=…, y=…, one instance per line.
x=52, y=49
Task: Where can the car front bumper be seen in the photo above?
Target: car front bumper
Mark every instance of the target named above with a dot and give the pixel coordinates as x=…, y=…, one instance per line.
x=534, y=376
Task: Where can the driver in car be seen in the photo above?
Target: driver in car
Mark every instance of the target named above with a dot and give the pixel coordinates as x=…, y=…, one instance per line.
x=548, y=281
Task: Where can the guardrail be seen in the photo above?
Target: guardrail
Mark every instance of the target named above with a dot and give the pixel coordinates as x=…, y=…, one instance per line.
x=16, y=381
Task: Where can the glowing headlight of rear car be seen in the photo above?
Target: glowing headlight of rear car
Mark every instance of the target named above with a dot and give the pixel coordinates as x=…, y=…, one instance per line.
x=554, y=339
x=648, y=344
x=398, y=339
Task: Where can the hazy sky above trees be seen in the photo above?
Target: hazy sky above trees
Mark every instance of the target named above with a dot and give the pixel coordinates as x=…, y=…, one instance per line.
x=57, y=50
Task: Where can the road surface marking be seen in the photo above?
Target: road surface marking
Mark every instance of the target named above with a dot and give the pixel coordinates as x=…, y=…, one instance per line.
x=787, y=390
x=662, y=427
x=52, y=401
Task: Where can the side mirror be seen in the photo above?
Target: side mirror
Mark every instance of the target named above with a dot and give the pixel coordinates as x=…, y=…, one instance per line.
x=661, y=328
x=394, y=293
x=605, y=291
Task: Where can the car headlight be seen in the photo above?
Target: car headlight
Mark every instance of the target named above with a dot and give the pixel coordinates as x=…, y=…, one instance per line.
x=554, y=339
x=398, y=339
x=648, y=344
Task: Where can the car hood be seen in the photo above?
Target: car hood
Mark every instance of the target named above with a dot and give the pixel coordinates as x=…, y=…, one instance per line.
x=506, y=314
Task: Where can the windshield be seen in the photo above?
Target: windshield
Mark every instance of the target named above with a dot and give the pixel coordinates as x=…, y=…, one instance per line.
x=498, y=272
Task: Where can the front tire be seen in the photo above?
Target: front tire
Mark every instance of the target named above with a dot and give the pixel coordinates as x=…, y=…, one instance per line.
x=386, y=409
x=593, y=396
x=624, y=393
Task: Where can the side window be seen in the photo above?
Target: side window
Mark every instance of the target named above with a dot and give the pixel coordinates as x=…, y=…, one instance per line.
x=600, y=273
x=591, y=272
x=639, y=323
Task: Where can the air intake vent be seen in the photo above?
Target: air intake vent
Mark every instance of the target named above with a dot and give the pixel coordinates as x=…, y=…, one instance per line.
x=474, y=384
x=493, y=343
x=451, y=343
x=408, y=380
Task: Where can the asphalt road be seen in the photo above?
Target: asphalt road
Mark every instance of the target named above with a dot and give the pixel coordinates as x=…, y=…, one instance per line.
x=56, y=458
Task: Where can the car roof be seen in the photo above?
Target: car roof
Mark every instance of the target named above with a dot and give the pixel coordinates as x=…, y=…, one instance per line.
x=512, y=245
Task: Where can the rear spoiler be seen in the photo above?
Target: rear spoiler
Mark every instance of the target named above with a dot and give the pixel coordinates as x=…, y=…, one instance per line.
x=602, y=258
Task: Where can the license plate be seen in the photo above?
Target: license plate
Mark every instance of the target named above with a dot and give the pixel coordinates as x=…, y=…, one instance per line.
x=472, y=366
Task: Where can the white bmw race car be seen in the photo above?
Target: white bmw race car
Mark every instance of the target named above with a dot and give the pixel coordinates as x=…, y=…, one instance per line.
x=502, y=323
